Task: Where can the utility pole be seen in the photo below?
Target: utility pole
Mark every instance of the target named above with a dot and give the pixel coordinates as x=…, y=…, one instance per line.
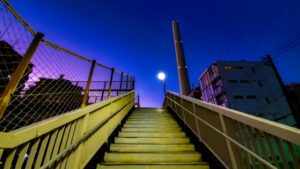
x=184, y=82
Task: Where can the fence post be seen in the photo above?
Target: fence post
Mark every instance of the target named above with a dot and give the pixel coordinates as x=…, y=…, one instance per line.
x=133, y=84
x=138, y=103
x=88, y=84
x=103, y=91
x=127, y=82
x=228, y=144
x=120, y=84
x=110, y=81
x=19, y=72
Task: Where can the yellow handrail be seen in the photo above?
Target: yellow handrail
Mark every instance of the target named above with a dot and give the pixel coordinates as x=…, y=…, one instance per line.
x=237, y=139
x=55, y=141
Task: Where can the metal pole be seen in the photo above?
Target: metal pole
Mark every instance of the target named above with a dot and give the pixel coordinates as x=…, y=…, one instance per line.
x=110, y=82
x=127, y=83
x=120, y=84
x=184, y=82
x=19, y=72
x=88, y=84
x=139, y=101
x=133, y=83
x=103, y=91
x=164, y=87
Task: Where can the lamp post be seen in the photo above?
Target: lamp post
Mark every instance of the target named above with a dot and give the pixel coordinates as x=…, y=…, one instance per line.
x=162, y=76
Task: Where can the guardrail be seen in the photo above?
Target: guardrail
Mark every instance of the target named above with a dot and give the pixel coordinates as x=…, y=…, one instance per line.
x=237, y=139
x=66, y=141
x=39, y=76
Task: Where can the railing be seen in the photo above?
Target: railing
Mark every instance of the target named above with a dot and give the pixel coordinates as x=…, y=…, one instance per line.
x=67, y=141
x=237, y=139
x=39, y=79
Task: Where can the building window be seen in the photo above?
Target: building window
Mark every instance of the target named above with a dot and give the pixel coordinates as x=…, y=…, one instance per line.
x=233, y=67
x=244, y=81
x=232, y=81
x=251, y=97
x=260, y=84
x=267, y=100
x=238, y=97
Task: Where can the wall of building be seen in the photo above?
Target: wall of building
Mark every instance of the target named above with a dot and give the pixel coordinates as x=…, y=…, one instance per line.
x=250, y=87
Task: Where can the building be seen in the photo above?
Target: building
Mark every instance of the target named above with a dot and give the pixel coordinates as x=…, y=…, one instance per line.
x=9, y=60
x=247, y=86
x=293, y=92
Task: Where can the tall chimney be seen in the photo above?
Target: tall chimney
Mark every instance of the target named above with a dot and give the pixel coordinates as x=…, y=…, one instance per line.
x=184, y=82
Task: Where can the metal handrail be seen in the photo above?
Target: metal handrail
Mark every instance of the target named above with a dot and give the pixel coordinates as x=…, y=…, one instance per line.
x=222, y=123
x=71, y=136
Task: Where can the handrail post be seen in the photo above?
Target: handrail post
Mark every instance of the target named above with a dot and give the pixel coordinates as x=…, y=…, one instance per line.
x=127, y=82
x=198, y=129
x=120, y=84
x=228, y=145
x=110, y=82
x=103, y=91
x=19, y=72
x=86, y=118
x=133, y=83
x=138, y=102
x=88, y=84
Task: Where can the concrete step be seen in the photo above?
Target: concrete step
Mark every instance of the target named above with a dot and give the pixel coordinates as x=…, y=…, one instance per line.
x=141, y=158
x=151, y=122
x=151, y=134
x=123, y=140
x=150, y=125
x=161, y=130
x=151, y=148
x=165, y=166
x=152, y=139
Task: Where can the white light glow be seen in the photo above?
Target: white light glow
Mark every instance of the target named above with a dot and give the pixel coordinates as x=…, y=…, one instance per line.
x=161, y=76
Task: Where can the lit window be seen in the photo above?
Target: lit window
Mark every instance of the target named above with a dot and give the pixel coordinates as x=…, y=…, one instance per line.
x=233, y=67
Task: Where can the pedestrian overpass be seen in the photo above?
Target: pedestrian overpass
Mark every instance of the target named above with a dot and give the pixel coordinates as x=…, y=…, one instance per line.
x=61, y=110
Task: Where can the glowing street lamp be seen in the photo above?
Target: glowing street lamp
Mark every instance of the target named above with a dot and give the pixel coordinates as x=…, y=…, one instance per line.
x=162, y=76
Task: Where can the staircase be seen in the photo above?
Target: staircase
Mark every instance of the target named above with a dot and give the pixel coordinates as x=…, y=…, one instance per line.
x=151, y=138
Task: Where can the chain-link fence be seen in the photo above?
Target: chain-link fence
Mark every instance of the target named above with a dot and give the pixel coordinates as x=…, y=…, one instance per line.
x=53, y=82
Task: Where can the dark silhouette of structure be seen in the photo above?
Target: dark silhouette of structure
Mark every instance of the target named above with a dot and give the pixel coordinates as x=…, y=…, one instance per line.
x=183, y=76
x=293, y=93
x=59, y=94
x=9, y=60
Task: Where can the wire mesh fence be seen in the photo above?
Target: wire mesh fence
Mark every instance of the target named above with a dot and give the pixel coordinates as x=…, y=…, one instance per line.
x=55, y=80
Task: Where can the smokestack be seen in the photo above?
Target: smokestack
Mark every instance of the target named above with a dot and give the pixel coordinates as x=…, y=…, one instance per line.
x=184, y=82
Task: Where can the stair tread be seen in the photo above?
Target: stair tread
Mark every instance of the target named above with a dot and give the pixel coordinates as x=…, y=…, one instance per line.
x=163, y=130
x=151, y=134
x=138, y=158
x=152, y=139
x=153, y=166
x=178, y=140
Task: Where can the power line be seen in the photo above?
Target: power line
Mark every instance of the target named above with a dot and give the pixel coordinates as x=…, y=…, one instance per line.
x=285, y=46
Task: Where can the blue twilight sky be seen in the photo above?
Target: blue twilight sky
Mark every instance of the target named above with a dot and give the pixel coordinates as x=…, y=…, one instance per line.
x=136, y=36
